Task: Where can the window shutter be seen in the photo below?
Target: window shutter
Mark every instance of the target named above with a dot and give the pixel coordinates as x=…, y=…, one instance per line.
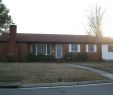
x=95, y=48
x=86, y=47
x=78, y=48
x=69, y=47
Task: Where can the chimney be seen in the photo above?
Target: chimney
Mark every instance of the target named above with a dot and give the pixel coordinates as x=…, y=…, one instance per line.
x=12, y=40
x=12, y=34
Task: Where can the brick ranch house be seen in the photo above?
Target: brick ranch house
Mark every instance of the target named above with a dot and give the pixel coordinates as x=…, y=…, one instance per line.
x=19, y=45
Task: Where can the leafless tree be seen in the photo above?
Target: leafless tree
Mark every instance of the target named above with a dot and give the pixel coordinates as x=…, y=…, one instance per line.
x=95, y=19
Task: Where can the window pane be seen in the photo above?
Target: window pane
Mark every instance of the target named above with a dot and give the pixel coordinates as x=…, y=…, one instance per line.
x=110, y=48
x=48, y=49
x=41, y=48
x=74, y=47
x=34, y=49
x=91, y=47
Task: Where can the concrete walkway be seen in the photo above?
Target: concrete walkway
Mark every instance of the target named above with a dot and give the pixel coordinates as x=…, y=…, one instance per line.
x=100, y=72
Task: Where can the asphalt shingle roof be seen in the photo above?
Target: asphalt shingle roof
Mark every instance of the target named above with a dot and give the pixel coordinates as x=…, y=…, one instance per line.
x=56, y=38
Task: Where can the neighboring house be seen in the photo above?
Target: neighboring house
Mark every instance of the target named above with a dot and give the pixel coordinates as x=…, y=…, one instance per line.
x=19, y=45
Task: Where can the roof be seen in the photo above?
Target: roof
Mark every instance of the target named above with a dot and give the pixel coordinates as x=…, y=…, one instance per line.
x=56, y=38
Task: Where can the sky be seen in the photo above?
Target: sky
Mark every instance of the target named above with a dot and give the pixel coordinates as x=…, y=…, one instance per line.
x=58, y=16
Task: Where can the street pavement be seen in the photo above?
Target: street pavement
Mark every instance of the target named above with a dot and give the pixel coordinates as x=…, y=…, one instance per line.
x=92, y=89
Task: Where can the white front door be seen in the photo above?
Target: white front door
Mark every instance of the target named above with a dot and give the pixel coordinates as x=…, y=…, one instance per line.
x=58, y=50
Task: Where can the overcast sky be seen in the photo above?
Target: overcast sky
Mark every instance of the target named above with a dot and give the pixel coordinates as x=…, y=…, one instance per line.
x=58, y=16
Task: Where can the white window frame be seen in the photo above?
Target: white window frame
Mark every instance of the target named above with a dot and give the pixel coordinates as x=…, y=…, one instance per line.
x=87, y=48
x=32, y=49
x=78, y=48
x=46, y=49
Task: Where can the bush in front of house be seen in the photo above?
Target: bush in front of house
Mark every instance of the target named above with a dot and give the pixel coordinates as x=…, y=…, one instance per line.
x=81, y=57
x=9, y=58
x=34, y=58
x=49, y=58
x=40, y=58
x=31, y=57
x=68, y=57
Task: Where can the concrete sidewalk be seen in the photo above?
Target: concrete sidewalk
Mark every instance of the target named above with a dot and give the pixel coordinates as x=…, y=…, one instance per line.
x=100, y=72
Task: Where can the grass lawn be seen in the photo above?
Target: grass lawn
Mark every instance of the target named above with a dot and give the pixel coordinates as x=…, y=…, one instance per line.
x=107, y=66
x=43, y=73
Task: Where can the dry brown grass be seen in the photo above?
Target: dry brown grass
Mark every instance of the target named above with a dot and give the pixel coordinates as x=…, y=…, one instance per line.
x=43, y=73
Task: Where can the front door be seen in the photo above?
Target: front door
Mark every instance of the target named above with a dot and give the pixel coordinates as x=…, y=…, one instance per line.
x=58, y=50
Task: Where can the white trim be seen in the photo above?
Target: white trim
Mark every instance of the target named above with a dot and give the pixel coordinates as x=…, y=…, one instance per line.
x=95, y=48
x=56, y=51
x=36, y=53
x=46, y=49
x=87, y=48
x=32, y=48
x=69, y=47
x=78, y=48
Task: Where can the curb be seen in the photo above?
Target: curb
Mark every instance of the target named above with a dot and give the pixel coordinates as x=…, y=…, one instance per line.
x=65, y=83
x=19, y=85
x=10, y=84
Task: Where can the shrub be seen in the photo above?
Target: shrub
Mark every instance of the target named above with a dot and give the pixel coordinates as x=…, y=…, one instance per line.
x=68, y=57
x=31, y=57
x=40, y=57
x=81, y=57
x=9, y=58
x=49, y=58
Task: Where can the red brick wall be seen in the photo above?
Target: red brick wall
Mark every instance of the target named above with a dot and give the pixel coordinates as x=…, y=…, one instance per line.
x=91, y=56
x=24, y=48
x=12, y=49
x=3, y=50
x=22, y=51
x=65, y=49
x=96, y=56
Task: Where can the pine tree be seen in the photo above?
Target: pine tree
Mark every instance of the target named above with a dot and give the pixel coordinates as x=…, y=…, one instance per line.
x=5, y=18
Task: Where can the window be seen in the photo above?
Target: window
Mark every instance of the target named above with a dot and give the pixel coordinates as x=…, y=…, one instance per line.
x=48, y=49
x=90, y=48
x=110, y=48
x=34, y=49
x=74, y=48
x=41, y=48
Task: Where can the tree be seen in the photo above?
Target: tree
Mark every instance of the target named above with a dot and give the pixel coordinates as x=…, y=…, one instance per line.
x=95, y=19
x=5, y=18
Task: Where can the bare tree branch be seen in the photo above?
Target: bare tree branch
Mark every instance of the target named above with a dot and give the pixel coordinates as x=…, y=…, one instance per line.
x=95, y=22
